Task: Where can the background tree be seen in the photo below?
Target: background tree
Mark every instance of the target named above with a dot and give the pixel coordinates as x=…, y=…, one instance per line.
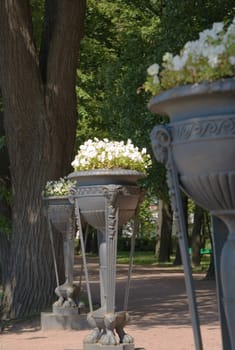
x=199, y=215
x=122, y=39
x=39, y=103
x=116, y=50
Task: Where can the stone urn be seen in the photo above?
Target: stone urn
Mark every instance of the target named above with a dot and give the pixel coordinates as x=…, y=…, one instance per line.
x=59, y=210
x=107, y=199
x=60, y=214
x=199, y=145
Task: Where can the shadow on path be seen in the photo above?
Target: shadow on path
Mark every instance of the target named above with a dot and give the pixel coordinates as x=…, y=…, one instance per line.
x=157, y=298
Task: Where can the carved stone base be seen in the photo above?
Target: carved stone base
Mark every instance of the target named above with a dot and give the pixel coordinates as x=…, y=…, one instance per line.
x=66, y=311
x=50, y=321
x=108, y=347
x=107, y=328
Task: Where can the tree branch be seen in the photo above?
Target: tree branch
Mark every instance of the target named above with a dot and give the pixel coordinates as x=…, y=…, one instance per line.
x=66, y=30
x=50, y=13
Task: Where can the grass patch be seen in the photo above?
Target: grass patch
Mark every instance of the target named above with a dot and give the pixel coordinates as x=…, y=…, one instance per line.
x=140, y=258
x=204, y=265
x=148, y=258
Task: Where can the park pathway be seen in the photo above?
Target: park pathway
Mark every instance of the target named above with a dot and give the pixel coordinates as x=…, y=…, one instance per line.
x=158, y=310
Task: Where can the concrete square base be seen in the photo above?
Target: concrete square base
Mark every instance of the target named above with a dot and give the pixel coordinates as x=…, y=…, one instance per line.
x=49, y=321
x=108, y=347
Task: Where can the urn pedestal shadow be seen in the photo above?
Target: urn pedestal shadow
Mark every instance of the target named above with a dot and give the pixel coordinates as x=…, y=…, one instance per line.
x=198, y=149
x=106, y=200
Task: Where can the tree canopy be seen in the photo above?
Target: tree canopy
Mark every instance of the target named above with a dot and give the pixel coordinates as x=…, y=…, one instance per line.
x=122, y=38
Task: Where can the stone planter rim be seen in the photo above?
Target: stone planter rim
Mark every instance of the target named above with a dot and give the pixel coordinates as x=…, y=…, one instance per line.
x=157, y=103
x=56, y=199
x=102, y=172
x=105, y=176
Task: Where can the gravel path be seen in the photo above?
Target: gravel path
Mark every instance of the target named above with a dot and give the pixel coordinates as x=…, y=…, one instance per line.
x=158, y=310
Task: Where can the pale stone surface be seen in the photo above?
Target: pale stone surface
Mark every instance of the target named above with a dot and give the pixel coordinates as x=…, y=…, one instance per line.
x=108, y=347
x=50, y=321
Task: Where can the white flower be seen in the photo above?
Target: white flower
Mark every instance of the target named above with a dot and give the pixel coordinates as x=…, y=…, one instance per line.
x=167, y=57
x=210, y=57
x=232, y=60
x=60, y=187
x=156, y=79
x=99, y=154
x=213, y=61
x=217, y=27
x=110, y=157
x=153, y=69
x=178, y=62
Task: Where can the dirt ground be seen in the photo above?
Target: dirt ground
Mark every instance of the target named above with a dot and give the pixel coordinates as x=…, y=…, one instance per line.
x=158, y=309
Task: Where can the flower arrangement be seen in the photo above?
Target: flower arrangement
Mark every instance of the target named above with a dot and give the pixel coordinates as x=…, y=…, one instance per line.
x=209, y=58
x=105, y=154
x=58, y=188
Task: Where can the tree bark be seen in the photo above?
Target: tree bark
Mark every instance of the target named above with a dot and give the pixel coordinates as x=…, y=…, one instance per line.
x=165, y=228
x=4, y=255
x=210, y=275
x=178, y=259
x=196, y=235
x=40, y=125
x=5, y=210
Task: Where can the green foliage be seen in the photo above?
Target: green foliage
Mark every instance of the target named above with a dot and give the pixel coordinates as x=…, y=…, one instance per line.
x=183, y=20
x=5, y=225
x=144, y=244
x=148, y=258
x=37, y=9
x=2, y=141
x=147, y=220
x=140, y=258
x=112, y=68
x=5, y=193
x=122, y=38
x=191, y=206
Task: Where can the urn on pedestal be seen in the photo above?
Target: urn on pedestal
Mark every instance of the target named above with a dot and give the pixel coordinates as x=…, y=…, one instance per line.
x=60, y=216
x=196, y=89
x=106, y=199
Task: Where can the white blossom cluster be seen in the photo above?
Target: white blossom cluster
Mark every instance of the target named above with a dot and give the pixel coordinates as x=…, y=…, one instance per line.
x=210, y=57
x=58, y=188
x=105, y=154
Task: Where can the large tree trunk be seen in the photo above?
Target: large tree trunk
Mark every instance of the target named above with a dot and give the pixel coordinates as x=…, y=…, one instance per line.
x=165, y=229
x=40, y=125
